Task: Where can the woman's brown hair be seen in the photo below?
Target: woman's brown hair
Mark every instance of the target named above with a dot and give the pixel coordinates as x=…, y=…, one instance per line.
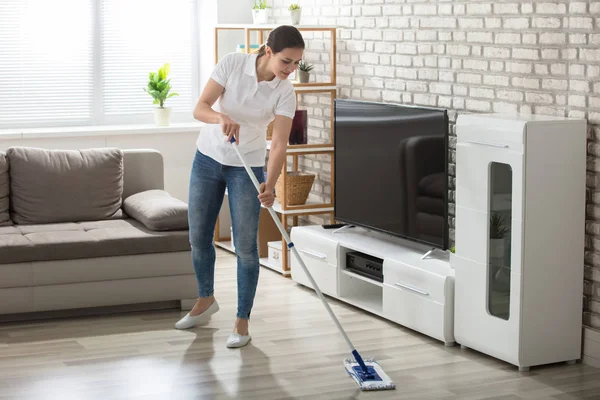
x=282, y=37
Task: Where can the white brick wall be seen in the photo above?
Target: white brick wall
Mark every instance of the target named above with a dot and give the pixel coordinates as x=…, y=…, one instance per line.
x=471, y=56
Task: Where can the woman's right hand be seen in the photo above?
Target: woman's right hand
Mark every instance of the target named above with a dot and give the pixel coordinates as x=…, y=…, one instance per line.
x=229, y=128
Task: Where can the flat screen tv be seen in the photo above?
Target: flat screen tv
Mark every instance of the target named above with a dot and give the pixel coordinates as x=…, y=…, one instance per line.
x=391, y=169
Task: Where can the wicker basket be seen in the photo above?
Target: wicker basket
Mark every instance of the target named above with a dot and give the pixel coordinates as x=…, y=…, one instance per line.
x=298, y=185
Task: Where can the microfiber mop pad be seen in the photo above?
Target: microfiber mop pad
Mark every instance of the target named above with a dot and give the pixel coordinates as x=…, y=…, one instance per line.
x=374, y=379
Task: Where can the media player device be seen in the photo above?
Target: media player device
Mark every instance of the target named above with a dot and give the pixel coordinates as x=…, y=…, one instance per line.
x=365, y=265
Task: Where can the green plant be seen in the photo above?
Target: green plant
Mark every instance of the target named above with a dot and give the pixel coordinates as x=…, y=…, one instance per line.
x=453, y=249
x=497, y=229
x=294, y=6
x=159, y=86
x=304, y=66
x=260, y=5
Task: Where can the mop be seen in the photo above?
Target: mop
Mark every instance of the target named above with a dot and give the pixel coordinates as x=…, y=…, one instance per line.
x=367, y=373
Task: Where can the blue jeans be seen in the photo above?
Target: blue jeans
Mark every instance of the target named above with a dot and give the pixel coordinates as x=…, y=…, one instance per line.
x=208, y=181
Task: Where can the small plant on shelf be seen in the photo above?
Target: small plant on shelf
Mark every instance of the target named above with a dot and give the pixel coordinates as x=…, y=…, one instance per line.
x=260, y=12
x=304, y=69
x=498, y=231
x=295, y=13
x=260, y=5
x=497, y=228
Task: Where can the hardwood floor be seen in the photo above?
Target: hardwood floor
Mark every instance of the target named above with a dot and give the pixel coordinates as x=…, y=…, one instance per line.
x=296, y=353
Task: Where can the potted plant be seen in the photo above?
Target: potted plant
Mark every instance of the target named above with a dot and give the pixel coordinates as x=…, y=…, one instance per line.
x=304, y=69
x=159, y=88
x=497, y=233
x=260, y=12
x=500, y=272
x=295, y=13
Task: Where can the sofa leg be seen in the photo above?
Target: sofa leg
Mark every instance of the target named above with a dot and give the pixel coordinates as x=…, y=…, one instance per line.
x=187, y=304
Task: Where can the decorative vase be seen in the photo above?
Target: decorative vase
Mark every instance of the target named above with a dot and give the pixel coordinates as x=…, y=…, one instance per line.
x=303, y=76
x=298, y=134
x=502, y=280
x=162, y=116
x=260, y=16
x=497, y=248
x=295, y=15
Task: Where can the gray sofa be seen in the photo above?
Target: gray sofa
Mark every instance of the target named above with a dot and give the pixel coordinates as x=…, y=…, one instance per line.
x=89, y=228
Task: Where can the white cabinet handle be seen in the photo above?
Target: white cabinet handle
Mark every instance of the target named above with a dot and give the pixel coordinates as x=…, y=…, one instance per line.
x=412, y=288
x=315, y=255
x=502, y=146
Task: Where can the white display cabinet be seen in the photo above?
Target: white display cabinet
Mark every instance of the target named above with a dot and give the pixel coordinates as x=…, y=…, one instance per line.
x=520, y=225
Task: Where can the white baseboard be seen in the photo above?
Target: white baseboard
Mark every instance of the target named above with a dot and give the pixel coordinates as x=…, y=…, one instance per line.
x=591, y=347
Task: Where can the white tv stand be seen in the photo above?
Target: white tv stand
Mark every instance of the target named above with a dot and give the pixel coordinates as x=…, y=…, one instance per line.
x=417, y=292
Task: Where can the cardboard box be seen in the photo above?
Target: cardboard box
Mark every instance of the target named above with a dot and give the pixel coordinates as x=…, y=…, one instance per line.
x=275, y=254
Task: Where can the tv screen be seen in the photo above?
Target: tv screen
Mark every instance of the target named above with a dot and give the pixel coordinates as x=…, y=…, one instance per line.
x=391, y=169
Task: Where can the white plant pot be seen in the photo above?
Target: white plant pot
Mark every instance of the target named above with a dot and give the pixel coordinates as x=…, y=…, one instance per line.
x=295, y=15
x=162, y=116
x=502, y=280
x=303, y=76
x=260, y=16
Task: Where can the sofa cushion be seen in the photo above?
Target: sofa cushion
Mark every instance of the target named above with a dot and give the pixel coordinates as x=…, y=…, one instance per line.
x=23, y=243
x=431, y=205
x=433, y=185
x=4, y=191
x=157, y=210
x=49, y=186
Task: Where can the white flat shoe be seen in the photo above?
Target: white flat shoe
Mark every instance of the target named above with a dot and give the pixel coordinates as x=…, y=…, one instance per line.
x=236, y=340
x=188, y=321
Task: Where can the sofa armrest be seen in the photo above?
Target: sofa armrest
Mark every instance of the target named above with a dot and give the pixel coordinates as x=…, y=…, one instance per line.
x=143, y=169
x=157, y=210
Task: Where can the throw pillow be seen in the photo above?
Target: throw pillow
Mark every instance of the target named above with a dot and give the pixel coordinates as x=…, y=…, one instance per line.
x=157, y=210
x=48, y=186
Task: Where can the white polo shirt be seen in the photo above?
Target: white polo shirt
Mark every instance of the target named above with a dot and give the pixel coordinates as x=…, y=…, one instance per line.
x=251, y=104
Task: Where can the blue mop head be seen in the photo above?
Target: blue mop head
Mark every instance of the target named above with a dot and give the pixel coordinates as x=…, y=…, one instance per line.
x=373, y=379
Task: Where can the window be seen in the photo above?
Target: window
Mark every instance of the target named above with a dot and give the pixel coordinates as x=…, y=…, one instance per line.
x=86, y=62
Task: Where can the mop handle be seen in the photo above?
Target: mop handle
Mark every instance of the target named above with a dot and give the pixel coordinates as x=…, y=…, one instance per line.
x=293, y=248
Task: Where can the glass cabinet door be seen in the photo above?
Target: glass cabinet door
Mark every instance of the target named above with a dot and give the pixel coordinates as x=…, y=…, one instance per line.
x=499, y=239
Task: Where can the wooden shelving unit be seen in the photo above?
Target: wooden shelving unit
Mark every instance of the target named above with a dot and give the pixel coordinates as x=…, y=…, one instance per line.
x=284, y=210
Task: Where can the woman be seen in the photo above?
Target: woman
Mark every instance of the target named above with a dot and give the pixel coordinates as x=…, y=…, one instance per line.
x=252, y=90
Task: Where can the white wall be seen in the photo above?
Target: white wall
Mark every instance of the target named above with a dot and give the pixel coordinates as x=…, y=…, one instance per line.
x=212, y=12
x=207, y=11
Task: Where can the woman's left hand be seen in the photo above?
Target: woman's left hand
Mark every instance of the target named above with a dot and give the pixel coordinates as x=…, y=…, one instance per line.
x=266, y=196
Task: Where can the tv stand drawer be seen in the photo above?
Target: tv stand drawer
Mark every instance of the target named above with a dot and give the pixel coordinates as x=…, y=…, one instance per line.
x=314, y=247
x=324, y=274
x=417, y=281
x=418, y=312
